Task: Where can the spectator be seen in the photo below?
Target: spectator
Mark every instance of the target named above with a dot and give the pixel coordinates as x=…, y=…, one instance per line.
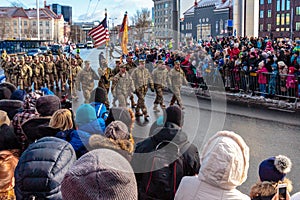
x=296, y=196
x=29, y=111
x=170, y=132
x=224, y=166
x=116, y=137
x=100, y=174
x=262, y=78
x=42, y=167
x=272, y=171
x=291, y=82
x=18, y=95
x=63, y=121
x=8, y=163
x=126, y=115
x=38, y=127
x=8, y=139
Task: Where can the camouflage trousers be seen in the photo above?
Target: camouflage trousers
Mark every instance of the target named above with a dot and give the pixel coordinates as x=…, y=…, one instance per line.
x=141, y=93
x=23, y=83
x=159, y=95
x=63, y=78
x=38, y=82
x=87, y=92
x=49, y=80
x=73, y=85
x=7, y=77
x=176, y=97
x=122, y=98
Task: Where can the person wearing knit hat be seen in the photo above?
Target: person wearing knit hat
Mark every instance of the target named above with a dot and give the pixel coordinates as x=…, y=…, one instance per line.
x=272, y=171
x=126, y=115
x=100, y=174
x=116, y=137
x=42, y=167
x=18, y=95
x=174, y=115
x=224, y=166
x=8, y=139
x=47, y=105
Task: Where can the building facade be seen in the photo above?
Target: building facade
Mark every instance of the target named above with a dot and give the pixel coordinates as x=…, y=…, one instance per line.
x=66, y=11
x=19, y=23
x=207, y=19
x=279, y=19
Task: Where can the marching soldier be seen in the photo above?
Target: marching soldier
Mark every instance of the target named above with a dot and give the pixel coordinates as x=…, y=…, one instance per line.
x=105, y=75
x=62, y=66
x=160, y=75
x=6, y=65
x=115, y=71
x=75, y=69
x=23, y=73
x=79, y=60
x=15, y=70
x=141, y=77
x=38, y=74
x=122, y=86
x=176, y=80
x=85, y=79
x=130, y=66
x=50, y=72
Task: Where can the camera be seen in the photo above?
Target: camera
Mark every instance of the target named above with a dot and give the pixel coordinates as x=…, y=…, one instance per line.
x=282, y=191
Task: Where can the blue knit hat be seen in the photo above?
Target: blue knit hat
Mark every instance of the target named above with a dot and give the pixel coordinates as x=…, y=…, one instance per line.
x=18, y=95
x=85, y=114
x=274, y=168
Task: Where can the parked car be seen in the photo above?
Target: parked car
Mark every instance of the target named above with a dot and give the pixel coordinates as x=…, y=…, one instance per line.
x=56, y=48
x=89, y=44
x=33, y=52
x=44, y=49
x=80, y=45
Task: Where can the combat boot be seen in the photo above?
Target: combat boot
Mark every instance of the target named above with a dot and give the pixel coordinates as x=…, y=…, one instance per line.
x=146, y=117
x=155, y=108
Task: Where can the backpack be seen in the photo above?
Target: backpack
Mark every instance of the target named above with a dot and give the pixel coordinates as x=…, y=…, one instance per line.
x=164, y=171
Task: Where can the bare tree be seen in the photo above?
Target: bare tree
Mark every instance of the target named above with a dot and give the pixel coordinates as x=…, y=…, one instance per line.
x=141, y=20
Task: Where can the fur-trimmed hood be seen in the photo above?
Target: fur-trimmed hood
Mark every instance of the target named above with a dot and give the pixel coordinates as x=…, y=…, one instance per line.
x=124, y=147
x=266, y=189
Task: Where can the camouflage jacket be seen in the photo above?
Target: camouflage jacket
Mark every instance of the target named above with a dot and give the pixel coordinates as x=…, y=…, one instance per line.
x=160, y=76
x=141, y=77
x=176, y=78
x=122, y=84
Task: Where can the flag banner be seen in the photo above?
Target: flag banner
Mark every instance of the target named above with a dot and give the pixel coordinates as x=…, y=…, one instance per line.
x=124, y=31
x=100, y=33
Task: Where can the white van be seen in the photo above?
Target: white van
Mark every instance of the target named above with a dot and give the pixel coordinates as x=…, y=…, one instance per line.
x=89, y=44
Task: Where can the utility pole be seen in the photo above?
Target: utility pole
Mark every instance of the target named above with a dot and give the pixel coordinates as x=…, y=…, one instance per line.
x=38, y=18
x=175, y=22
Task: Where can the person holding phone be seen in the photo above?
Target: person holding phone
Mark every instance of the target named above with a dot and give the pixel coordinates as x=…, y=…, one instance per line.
x=273, y=184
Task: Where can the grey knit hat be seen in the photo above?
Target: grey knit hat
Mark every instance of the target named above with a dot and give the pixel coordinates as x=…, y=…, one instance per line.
x=100, y=174
x=117, y=130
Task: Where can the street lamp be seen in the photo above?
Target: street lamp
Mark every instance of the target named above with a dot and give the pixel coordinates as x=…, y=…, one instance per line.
x=113, y=26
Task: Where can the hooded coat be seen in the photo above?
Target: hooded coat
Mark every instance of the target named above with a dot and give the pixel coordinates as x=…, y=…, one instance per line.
x=224, y=166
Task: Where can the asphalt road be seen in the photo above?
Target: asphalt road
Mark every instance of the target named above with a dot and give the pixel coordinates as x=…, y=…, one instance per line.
x=267, y=132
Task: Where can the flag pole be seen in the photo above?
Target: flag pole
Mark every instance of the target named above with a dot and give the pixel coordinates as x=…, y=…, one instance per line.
x=106, y=51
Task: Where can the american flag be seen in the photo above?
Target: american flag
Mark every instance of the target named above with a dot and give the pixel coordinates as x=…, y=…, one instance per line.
x=100, y=33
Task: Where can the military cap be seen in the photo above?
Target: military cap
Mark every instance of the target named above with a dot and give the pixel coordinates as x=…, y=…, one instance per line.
x=177, y=61
x=160, y=62
x=123, y=65
x=87, y=62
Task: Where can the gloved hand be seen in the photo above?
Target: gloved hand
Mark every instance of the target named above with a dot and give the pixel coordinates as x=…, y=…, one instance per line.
x=152, y=89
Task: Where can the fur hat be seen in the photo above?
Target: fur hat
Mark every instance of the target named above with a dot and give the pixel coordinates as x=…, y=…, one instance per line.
x=117, y=130
x=47, y=105
x=174, y=115
x=100, y=174
x=281, y=63
x=4, y=118
x=274, y=168
x=5, y=93
x=18, y=95
x=85, y=114
x=42, y=167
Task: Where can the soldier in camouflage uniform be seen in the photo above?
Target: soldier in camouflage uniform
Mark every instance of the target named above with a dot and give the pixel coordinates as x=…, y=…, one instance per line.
x=28, y=60
x=24, y=74
x=38, y=74
x=62, y=66
x=115, y=71
x=130, y=66
x=6, y=65
x=79, y=60
x=175, y=81
x=122, y=86
x=85, y=79
x=75, y=69
x=105, y=74
x=50, y=72
x=15, y=70
x=160, y=75
x=141, y=77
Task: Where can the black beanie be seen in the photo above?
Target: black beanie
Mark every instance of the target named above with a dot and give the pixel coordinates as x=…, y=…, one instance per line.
x=98, y=95
x=174, y=115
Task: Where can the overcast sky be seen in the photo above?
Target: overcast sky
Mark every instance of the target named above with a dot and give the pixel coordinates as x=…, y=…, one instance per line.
x=88, y=10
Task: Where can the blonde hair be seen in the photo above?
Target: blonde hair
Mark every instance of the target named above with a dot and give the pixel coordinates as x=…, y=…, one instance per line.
x=61, y=119
x=8, y=163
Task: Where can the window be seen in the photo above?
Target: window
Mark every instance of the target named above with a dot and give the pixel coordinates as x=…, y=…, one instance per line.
x=182, y=27
x=25, y=31
x=269, y=1
x=33, y=23
x=281, y=29
x=166, y=5
x=261, y=2
x=283, y=5
x=288, y=4
x=269, y=13
x=298, y=10
x=25, y=23
x=269, y=26
x=217, y=27
x=278, y=19
x=297, y=26
x=287, y=29
x=278, y=5
x=47, y=31
x=41, y=31
x=15, y=23
x=283, y=19
x=261, y=14
x=41, y=23
x=47, y=23
x=287, y=18
x=15, y=31
x=261, y=27
x=277, y=29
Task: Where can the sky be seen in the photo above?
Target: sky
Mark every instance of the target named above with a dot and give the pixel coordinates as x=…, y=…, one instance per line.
x=90, y=10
